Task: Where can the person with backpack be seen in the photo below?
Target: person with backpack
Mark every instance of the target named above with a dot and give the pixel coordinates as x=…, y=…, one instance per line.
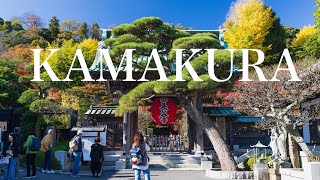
x=97, y=158
x=32, y=146
x=11, y=151
x=76, y=149
x=139, y=157
x=46, y=147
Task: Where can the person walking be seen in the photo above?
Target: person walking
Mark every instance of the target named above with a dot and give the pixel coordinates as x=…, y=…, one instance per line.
x=97, y=158
x=46, y=147
x=77, y=153
x=140, y=158
x=18, y=140
x=31, y=147
x=11, y=150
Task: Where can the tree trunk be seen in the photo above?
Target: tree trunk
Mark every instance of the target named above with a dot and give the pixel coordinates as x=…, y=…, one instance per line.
x=293, y=152
x=37, y=125
x=299, y=139
x=194, y=109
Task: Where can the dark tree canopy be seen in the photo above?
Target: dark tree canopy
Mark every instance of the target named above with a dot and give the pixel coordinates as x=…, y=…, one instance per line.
x=54, y=27
x=152, y=30
x=95, y=31
x=83, y=31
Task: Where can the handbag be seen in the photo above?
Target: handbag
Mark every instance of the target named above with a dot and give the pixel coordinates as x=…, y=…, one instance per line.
x=4, y=160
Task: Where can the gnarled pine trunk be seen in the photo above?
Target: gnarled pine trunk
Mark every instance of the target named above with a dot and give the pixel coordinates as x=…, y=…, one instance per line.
x=299, y=139
x=194, y=109
x=293, y=152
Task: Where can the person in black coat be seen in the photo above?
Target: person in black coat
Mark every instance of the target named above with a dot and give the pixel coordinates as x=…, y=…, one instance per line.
x=97, y=158
x=11, y=151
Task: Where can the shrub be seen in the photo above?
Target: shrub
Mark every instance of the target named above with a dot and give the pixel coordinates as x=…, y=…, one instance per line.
x=249, y=163
x=60, y=146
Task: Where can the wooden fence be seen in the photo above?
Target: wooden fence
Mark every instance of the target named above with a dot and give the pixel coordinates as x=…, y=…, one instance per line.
x=172, y=143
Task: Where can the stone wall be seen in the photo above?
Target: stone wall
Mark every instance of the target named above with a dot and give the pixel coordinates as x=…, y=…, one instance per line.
x=310, y=171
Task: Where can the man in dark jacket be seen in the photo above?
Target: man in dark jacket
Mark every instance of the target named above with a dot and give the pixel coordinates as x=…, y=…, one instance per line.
x=97, y=158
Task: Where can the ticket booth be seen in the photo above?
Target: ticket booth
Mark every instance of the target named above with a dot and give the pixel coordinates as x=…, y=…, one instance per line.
x=89, y=134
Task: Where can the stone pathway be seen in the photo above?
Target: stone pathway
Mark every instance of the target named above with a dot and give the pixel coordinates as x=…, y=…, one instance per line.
x=128, y=175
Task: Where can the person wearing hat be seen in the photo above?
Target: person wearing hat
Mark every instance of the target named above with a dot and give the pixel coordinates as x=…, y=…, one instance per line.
x=77, y=154
x=46, y=147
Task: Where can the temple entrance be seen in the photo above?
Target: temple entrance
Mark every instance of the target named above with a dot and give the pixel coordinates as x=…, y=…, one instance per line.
x=172, y=137
x=171, y=143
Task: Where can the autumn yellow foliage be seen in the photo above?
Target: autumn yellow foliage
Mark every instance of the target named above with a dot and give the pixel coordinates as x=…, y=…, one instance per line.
x=248, y=24
x=303, y=35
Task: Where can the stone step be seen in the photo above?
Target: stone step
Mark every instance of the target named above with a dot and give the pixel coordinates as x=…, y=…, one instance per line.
x=112, y=152
x=104, y=167
x=165, y=166
x=175, y=162
x=196, y=158
x=111, y=157
x=109, y=168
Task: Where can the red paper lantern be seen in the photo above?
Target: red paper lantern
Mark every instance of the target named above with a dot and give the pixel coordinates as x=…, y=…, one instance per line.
x=163, y=111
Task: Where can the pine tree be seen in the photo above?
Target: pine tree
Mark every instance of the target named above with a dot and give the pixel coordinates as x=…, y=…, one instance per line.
x=54, y=27
x=83, y=31
x=95, y=29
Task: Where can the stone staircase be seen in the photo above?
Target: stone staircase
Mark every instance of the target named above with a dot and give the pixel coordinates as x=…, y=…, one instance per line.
x=166, y=161
x=110, y=161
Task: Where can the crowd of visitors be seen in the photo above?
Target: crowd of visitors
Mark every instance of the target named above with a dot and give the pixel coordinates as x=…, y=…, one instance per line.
x=14, y=149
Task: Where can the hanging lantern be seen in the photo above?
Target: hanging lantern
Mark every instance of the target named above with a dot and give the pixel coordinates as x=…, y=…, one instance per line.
x=163, y=111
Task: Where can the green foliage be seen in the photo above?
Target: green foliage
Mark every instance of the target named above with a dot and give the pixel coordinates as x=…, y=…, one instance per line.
x=6, y=26
x=200, y=41
x=317, y=15
x=251, y=24
x=1, y=21
x=126, y=38
x=41, y=43
x=27, y=121
x=41, y=105
x=28, y=96
x=54, y=27
x=75, y=98
x=206, y=84
x=148, y=29
x=17, y=26
x=61, y=60
x=122, y=29
x=312, y=46
x=83, y=31
x=55, y=163
x=40, y=160
x=9, y=87
x=95, y=30
x=276, y=39
x=290, y=35
x=141, y=49
x=249, y=163
x=130, y=101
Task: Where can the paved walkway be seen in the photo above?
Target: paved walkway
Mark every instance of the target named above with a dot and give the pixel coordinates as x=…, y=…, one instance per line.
x=128, y=175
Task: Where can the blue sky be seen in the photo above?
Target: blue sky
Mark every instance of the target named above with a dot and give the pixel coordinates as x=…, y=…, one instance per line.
x=199, y=14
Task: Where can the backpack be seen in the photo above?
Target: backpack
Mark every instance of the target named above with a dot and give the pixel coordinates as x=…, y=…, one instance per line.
x=73, y=146
x=136, y=156
x=35, y=145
